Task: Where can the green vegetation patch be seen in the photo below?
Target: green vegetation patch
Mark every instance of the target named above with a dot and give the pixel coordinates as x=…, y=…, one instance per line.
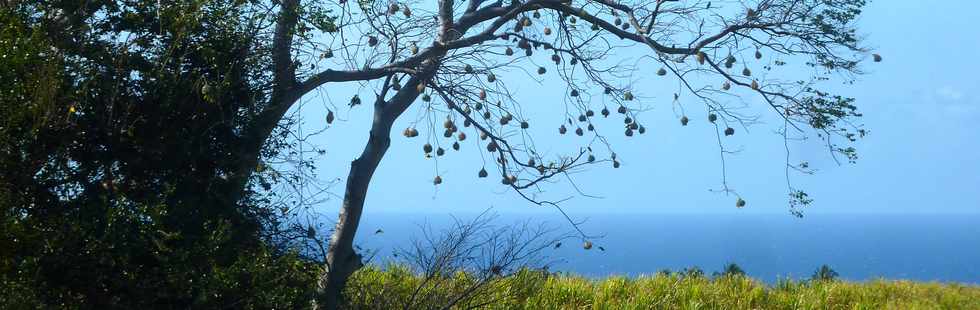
x=394, y=286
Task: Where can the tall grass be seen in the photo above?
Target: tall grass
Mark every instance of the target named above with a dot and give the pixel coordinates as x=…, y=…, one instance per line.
x=373, y=287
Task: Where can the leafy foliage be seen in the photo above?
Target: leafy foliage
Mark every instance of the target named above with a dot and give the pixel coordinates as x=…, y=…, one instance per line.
x=125, y=134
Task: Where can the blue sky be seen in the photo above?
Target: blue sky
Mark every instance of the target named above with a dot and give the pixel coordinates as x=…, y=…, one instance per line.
x=923, y=154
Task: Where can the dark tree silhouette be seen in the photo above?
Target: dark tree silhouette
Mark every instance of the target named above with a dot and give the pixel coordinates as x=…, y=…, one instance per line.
x=731, y=269
x=824, y=273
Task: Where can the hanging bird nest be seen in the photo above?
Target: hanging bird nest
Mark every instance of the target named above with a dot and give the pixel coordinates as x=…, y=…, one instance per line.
x=758, y=54
x=427, y=148
x=746, y=72
x=615, y=163
x=525, y=125
x=739, y=203
x=482, y=173
x=437, y=180
x=372, y=41
x=712, y=117
x=579, y=132
x=461, y=136
x=509, y=51
x=491, y=78
x=684, y=120
x=562, y=129
x=455, y=145
x=877, y=58
x=587, y=245
x=542, y=70
x=621, y=110
x=641, y=130
x=574, y=93
x=729, y=131
x=411, y=132
x=662, y=72
x=726, y=85
x=605, y=112
x=329, y=116
x=440, y=151
x=628, y=96
x=547, y=31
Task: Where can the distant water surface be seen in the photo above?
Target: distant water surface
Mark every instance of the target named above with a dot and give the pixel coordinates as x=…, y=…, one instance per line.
x=940, y=247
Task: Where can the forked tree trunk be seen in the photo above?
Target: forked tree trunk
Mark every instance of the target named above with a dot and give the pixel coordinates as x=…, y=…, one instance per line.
x=342, y=261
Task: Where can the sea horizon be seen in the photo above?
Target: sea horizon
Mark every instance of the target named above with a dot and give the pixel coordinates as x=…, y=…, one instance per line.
x=941, y=247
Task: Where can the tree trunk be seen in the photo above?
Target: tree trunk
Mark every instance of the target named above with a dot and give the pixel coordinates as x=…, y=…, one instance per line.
x=342, y=261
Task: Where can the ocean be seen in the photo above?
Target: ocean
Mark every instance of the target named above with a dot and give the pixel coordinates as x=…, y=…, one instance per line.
x=769, y=247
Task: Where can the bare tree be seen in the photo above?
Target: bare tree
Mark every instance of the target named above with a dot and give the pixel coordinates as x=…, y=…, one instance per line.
x=449, y=55
x=459, y=266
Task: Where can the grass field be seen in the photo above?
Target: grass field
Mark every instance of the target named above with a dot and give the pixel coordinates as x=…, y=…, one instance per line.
x=394, y=287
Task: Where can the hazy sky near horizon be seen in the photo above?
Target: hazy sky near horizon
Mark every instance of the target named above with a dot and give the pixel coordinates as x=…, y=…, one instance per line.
x=920, y=104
